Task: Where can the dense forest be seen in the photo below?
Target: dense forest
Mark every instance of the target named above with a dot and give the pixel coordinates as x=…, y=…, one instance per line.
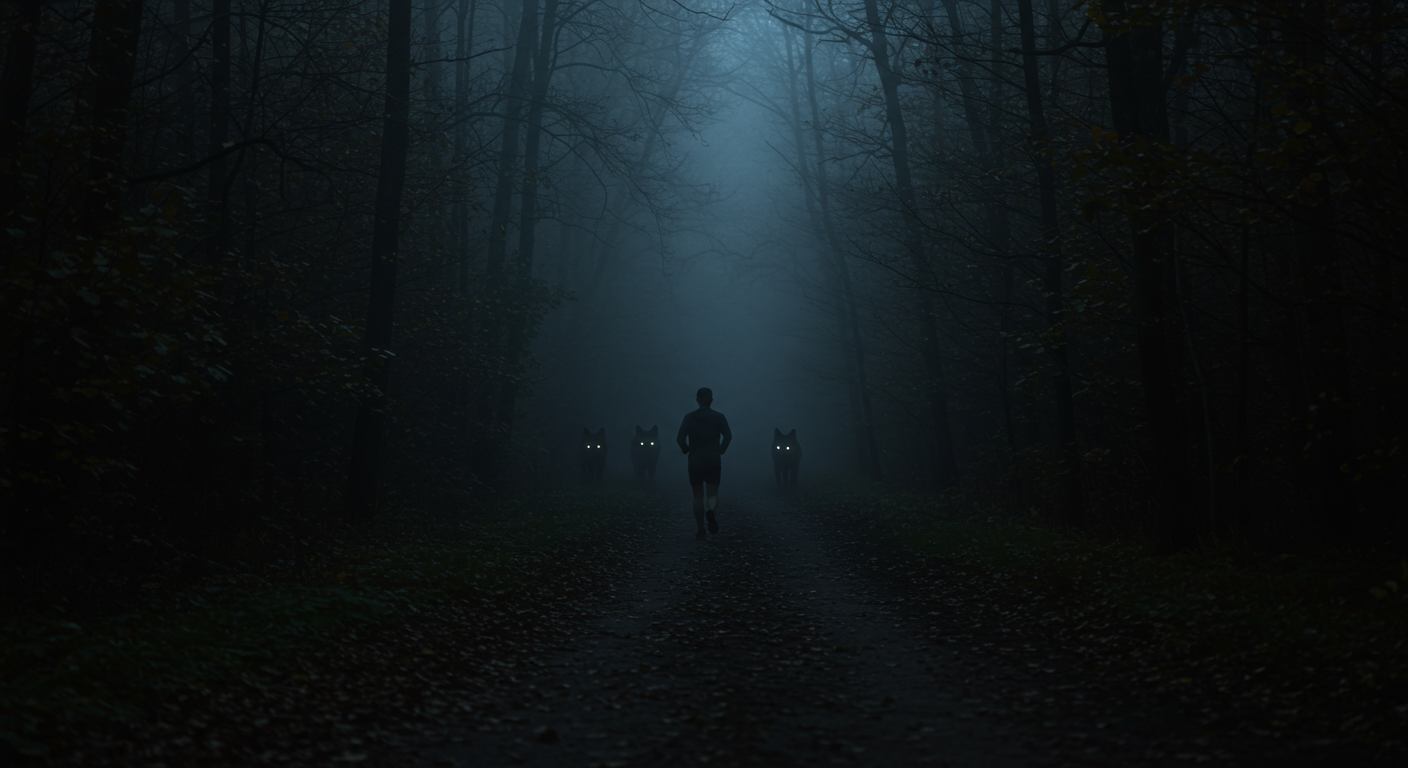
x=1129, y=266
x=276, y=272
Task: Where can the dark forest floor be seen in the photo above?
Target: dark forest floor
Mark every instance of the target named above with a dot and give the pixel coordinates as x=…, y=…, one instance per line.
x=801, y=635
x=794, y=639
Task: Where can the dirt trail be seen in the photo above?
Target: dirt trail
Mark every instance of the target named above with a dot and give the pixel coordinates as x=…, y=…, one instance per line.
x=780, y=643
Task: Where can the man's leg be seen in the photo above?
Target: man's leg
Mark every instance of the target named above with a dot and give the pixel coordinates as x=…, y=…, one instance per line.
x=712, y=491
x=699, y=508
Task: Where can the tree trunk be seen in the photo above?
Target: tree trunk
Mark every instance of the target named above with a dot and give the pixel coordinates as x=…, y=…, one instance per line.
x=185, y=79
x=112, y=57
x=459, y=186
x=509, y=153
x=1205, y=446
x=249, y=175
x=830, y=267
x=364, y=478
x=218, y=206
x=1072, y=498
x=430, y=24
x=1331, y=499
x=984, y=135
x=459, y=211
x=968, y=89
x=1136, y=108
x=494, y=323
x=16, y=90
x=1242, y=467
x=528, y=213
x=267, y=466
x=871, y=452
x=1000, y=231
x=945, y=462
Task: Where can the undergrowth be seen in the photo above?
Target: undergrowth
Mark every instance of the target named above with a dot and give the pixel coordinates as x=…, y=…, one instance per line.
x=1311, y=636
x=250, y=627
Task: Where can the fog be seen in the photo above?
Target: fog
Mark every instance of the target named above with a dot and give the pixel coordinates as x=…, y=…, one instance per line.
x=337, y=257
x=1090, y=319
x=718, y=306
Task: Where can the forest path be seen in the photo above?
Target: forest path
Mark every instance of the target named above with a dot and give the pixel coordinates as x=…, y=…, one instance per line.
x=781, y=642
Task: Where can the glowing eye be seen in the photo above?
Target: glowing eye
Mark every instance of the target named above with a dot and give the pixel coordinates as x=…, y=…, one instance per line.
x=652, y=442
x=778, y=447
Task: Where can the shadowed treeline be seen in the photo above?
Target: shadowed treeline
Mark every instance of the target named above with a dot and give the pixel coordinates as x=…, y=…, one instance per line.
x=275, y=267
x=1131, y=266
x=1062, y=345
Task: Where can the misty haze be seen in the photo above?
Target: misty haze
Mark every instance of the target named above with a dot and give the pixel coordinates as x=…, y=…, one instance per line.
x=615, y=383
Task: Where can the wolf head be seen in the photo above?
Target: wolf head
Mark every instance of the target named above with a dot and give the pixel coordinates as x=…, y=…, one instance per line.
x=784, y=443
x=593, y=441
x=647, y=438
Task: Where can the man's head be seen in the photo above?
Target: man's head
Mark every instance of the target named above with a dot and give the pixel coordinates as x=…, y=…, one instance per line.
x=704, y=396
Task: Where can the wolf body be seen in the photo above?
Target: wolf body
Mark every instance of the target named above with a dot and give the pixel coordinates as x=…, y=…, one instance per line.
x=645, y=453
x=786, y=458
x=593, y=455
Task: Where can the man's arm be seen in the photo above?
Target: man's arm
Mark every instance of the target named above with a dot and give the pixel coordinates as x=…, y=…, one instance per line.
x=684, y=431
x=728, y=435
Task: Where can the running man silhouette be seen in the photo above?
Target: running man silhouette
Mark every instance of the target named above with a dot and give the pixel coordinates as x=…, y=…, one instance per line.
x=699, y=437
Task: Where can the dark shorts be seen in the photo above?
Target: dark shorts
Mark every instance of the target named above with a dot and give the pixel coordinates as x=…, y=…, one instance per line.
x=703, y=473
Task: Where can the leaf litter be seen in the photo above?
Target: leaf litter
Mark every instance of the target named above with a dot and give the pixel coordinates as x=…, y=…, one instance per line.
x=602, y=634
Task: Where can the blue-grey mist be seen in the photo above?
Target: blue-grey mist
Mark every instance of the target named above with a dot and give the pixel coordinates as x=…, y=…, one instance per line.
x=718, y=306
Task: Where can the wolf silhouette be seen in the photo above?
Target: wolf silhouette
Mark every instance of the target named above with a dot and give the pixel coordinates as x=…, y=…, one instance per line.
x=786, y=457
x=593, y=455
x=645, y=453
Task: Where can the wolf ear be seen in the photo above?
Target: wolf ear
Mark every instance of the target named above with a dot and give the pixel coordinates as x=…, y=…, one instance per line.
x=776, y=432
x=586, y=432
x=655, y=430
x=638, y=429
x=793, y=433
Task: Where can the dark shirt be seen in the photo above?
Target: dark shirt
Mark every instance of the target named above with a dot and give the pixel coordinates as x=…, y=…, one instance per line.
x=699, y=436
